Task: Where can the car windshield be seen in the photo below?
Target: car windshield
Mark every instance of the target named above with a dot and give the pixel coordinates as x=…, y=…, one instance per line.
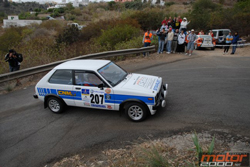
x=113, y=73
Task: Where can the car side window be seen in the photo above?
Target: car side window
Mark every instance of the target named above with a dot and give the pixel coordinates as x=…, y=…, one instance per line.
x=61, y=77
x=220, y=33
x=87, y=79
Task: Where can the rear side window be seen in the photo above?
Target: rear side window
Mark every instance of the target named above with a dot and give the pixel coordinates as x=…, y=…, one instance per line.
x=61, y=77
x=220, y=33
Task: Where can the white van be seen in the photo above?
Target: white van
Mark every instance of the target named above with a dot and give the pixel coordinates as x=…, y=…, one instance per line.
x=220, y=35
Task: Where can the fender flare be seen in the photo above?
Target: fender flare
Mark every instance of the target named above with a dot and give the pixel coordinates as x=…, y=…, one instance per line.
x=122, y=105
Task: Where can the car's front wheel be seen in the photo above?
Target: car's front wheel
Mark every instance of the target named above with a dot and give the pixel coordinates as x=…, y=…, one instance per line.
x=55, y=105
x=136, y=112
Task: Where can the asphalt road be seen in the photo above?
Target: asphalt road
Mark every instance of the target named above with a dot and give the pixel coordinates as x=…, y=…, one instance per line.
x=205, y=92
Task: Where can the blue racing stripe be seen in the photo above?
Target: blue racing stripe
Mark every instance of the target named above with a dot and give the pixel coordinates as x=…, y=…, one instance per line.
x=118, y=99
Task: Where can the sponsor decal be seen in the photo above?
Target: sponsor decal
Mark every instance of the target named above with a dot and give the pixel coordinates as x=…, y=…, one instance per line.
x=157, y=83
x=108, y=90
x=108, y=97
x=98, y=105
x=85, y=92
x=145, y=82
x=224, y=159
x=66, y=93
x=92, y=91
x=86, y=104
x=86, y=99
x=109, y=106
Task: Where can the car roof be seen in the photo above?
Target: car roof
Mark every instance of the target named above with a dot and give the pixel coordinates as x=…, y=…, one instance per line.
x=221, y=29
x=83, y=64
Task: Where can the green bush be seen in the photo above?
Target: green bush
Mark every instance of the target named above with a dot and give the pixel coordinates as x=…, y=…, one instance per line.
x=149, y=19
x=136, y=42
x=167, y=4
x=55, y=25
x=10, y=39
x=69, y=16
x=136, y=5
x=94, y=30
x=70, y=35
x=109, y=38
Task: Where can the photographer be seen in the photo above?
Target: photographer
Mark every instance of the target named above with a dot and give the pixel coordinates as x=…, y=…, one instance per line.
x=14, y=60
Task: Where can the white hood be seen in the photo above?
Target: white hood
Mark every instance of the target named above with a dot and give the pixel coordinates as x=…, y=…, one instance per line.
x=142, y=83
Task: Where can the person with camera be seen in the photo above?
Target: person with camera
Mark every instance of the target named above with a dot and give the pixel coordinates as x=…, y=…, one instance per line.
x=14, y=59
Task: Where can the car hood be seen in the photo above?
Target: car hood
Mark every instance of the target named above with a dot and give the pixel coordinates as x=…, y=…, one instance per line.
x=141, y=83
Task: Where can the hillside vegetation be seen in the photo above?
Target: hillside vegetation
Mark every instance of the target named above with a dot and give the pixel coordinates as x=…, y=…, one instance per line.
x=112, y=26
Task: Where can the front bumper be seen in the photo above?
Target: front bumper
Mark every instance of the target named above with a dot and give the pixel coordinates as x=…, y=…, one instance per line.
x=160, y=97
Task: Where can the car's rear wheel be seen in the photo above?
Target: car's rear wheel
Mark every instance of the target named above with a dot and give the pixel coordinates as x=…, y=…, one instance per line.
x=136, y=112
x=55, y=105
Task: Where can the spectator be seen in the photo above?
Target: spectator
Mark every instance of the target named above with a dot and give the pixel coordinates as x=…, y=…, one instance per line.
x=162, y=35
x=14, y=59
x=184, y=24
x=201, y=32
x=174, y=43
x=164, y=21
x=211, y=33
x=234, y=42
x=229, y=39
x=169, y=40
x=147, y=38
x=177, y=24
x=179, y=17
x=173, y=24
x=191, y=38
x=186, y=39
x=181, y=42
x=169, y=23
x=164, y=26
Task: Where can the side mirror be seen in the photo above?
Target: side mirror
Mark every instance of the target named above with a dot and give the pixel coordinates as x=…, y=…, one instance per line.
x=101, y=86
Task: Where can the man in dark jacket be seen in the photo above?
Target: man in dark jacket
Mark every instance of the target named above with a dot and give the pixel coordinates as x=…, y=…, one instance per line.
x=13, y=59
x=234, y=42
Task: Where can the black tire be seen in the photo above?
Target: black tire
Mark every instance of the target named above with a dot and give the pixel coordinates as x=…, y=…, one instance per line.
x=55, y=105
x=135, y=111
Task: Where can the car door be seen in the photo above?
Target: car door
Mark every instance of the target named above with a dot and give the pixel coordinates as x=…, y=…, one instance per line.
x=94, y=91
x=60, y=84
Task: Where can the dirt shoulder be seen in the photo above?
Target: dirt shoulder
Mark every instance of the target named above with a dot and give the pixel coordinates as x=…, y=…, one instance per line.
x=175, y=150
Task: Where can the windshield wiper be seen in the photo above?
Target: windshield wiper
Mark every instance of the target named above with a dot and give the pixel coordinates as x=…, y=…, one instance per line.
x=121, y=79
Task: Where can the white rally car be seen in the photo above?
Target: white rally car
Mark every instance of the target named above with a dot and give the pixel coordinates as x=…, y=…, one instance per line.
x=101, y=84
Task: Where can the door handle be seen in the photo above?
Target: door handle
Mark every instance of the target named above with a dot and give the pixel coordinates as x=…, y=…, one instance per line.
x=77, y=88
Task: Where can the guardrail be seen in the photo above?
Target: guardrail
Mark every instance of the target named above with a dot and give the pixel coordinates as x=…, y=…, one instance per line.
x=43, y=68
